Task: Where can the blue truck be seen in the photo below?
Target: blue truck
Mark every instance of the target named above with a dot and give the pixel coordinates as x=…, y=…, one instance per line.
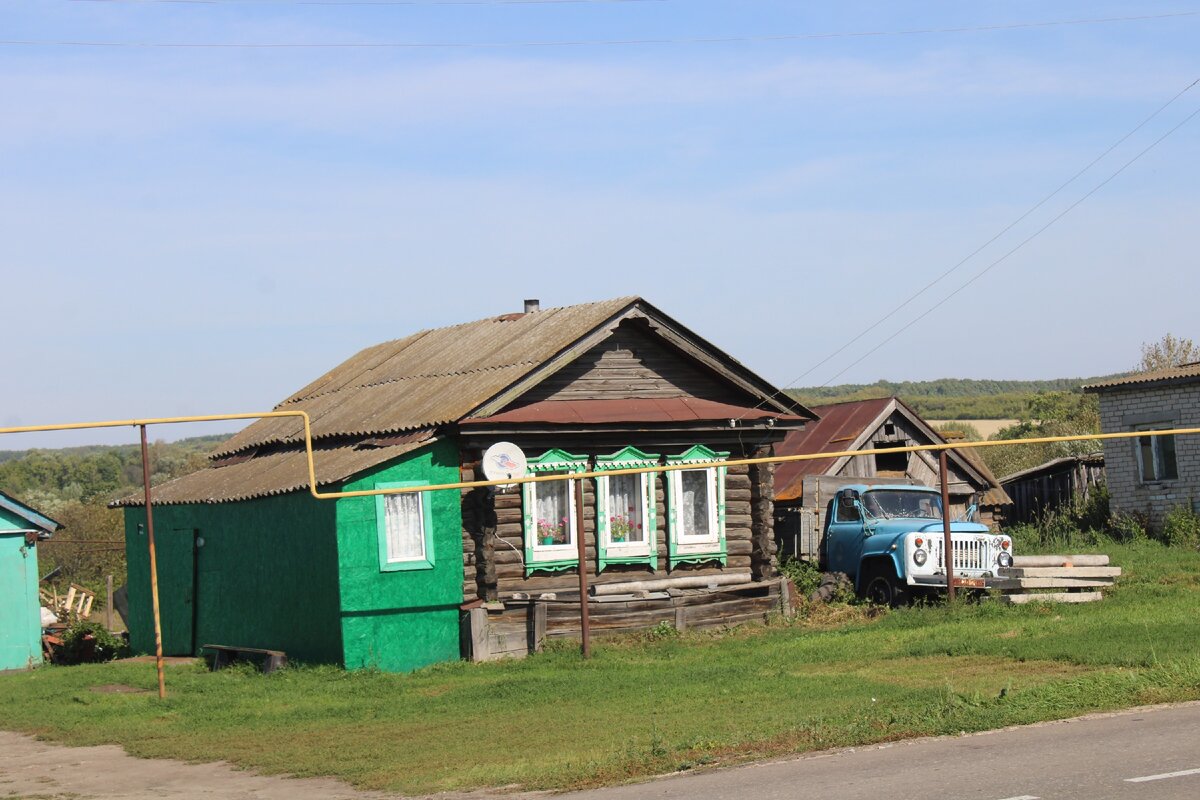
x=889, y=540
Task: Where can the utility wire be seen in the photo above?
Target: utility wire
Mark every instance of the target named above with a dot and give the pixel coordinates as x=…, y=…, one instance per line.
x=1002, y=231
x=1023, y=242
x=363, y=2
x=783, y=37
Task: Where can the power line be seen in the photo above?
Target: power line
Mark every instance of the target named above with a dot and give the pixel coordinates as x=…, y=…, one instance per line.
x=1002, y=231
x=1023, y=242
x=783, y=37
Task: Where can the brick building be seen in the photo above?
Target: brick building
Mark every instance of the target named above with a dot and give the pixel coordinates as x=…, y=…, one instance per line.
x=1150, y=475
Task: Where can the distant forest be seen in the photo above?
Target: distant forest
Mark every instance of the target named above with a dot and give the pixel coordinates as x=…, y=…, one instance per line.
x=947, y=398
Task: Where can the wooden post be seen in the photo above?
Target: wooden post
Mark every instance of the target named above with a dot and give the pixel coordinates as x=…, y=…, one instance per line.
x=584, y=626
x=108, y=602
x=947, y=539
x=158, y=654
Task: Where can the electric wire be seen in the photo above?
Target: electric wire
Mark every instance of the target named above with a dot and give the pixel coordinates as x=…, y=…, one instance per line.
x=998, y=235
x=1023, y=242
x=384, y=3
x=552, y=43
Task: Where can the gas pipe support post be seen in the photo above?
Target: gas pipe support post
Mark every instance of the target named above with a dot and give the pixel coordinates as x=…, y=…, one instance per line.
x=584, y=625
x=158, y=649
x=947, y=539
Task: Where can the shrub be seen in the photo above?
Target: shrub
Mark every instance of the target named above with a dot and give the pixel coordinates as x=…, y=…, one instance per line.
x=1126, y=527
x=1181, y=528
x=805, y=574
x=86, y=642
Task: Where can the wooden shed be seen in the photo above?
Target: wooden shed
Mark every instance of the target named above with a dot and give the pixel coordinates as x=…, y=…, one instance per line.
x=804, y=488
x=1055, y=484
x=20, y=621
x=248, y=558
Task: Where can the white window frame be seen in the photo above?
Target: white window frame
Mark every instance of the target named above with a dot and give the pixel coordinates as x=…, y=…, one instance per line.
x=713, y=535
x=553, y=552
x=626, y=549
x=551, y=556
x=388, y=562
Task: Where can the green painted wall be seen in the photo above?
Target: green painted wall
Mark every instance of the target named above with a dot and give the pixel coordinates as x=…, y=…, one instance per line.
x=258, y=573
x=20, y=623
x=401, y=620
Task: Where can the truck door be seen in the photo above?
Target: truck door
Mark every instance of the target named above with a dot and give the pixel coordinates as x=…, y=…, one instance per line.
x=844, y=538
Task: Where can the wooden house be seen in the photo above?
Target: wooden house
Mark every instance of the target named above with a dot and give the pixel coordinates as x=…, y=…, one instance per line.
x=804, y=488
x=20, y=620
x=248, y=558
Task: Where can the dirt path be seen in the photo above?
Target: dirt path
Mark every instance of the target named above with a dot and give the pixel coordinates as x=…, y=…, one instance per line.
x=32, y=769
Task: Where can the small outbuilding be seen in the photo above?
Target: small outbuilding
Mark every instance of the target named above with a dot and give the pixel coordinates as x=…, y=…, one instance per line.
x=21, y=527
x=1056, y=484
x=1150, y=475
x=804, y=488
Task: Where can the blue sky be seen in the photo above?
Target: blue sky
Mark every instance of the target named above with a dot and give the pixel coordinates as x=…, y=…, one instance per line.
x=204, y=230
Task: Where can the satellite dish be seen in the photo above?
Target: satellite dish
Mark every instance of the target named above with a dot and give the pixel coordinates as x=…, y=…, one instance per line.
x=503, y=460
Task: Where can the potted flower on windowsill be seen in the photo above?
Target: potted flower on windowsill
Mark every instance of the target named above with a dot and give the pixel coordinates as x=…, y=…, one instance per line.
x=622, y=528
x=549, y=532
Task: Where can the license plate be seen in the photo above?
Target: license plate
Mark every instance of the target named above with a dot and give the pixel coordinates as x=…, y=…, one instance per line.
x=971, y=583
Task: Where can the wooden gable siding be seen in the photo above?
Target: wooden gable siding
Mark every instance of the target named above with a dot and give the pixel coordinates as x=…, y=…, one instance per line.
x=921, y=466
x=631, y=364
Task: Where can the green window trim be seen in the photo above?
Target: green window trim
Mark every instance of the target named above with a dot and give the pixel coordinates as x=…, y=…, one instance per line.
x=696, y=552
x=627, y=458
x=381, y=529
x=554, y=460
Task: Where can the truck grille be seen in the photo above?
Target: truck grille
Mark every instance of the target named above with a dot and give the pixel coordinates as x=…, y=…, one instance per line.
x=970, y=554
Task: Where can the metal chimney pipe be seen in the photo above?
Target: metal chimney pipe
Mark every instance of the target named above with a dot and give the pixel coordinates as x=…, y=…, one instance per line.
x=532, y=305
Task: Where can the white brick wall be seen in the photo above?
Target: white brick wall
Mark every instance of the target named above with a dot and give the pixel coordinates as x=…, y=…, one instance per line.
x=1171, y=406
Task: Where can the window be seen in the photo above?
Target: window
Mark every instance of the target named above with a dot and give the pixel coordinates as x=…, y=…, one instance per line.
x=404, y=526
x=1156, y=458
x=625, y=510
x=696, y=501
x=549, y=512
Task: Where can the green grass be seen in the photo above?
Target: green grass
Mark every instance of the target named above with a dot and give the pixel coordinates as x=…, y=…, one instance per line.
x=836, y=676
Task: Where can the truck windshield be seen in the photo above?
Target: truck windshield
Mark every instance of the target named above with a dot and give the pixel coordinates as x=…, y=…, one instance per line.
x=884, y=504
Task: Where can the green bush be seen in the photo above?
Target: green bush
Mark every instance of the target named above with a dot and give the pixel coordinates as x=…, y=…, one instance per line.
x=86, y=642
x=805, y=574
x=1181, y=528
x=1126, y=527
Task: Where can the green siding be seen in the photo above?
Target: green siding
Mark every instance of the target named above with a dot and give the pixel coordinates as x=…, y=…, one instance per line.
x=401, y=620
x=264, y=576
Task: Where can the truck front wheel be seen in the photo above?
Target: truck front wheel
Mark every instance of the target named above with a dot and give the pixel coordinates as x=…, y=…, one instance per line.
x=883, y=589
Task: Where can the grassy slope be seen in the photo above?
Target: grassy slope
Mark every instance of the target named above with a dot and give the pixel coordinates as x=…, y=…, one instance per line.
x=640, y=708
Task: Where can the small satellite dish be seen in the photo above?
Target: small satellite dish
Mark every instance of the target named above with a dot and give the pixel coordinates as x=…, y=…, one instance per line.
x=503, y=460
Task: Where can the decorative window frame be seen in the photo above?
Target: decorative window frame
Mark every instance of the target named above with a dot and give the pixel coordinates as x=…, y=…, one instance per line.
x=426, y=560
x=636, y=553
x=698, y=550
x=554, y=557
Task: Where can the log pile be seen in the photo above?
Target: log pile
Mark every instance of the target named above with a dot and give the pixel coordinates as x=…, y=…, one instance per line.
x=1056, y=579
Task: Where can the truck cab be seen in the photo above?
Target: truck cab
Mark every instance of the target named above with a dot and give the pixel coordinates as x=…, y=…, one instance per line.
x=889, y=540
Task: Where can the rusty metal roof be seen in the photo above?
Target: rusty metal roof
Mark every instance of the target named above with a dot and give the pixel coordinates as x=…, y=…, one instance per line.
x=641, y=410
x=1054, y=465
x=1181, y=374
x=280, y=471
x=430, y=378
x=840, y=427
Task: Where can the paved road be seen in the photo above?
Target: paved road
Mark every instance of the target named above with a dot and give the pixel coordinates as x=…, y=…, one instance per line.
x=1145, y=754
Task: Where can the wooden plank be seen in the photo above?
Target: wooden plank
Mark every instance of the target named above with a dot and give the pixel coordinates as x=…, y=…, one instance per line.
x=1060, y=572
x=1100, y=560
x=477, y=627
x=1050, y=583
x=1051, y=597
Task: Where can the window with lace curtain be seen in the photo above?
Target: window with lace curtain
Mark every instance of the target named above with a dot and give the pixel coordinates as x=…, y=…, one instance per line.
x=625, y=510
x=404, y=527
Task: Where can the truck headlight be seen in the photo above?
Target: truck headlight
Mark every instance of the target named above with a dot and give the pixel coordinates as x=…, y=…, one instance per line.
x=920, y=556
x=1004, y=559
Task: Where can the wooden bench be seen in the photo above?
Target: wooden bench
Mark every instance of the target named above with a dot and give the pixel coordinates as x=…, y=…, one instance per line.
x=268, y=660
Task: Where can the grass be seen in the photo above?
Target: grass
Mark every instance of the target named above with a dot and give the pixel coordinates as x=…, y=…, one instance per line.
x=835, y=676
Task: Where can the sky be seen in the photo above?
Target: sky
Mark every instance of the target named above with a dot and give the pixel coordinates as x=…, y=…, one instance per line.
x=205, y=229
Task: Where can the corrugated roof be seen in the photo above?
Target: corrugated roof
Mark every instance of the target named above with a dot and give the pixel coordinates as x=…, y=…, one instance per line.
x=272, y=473
x=31, y=515
x=839, y=427
x=430, y=378
x=647, y=410
x=1185, y=373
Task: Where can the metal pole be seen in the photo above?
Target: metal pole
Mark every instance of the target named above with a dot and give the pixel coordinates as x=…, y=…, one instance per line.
x=108, y=602
x=584, y=626
x=947, y=540
x=158, y=656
